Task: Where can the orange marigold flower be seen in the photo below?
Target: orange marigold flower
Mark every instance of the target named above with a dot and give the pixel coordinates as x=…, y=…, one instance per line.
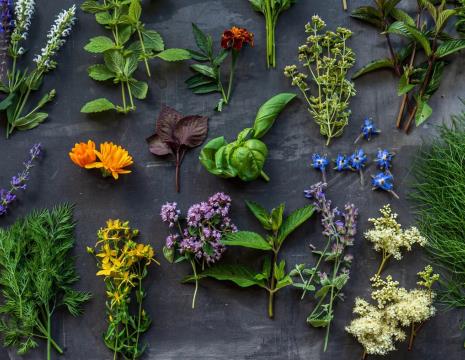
x=83, y=154
x=113, y=159
x=235, y=38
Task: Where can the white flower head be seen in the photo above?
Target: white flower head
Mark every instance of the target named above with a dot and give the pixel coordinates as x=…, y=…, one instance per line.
x=56, y=39
x=24, y=10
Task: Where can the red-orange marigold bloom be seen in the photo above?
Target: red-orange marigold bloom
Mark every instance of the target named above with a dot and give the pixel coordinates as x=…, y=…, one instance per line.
x=235, y=38
x=83, y=154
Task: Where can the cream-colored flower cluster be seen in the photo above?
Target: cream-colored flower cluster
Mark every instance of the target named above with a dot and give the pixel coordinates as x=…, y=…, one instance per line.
x=389, y=237
x=378, y=327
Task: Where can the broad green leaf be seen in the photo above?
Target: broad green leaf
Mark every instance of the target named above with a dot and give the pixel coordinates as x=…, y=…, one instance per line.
x=266, y=268
x=323, y=291
x=138, y=89
x=450, y=47
x=424, y=111
x=92, y=6
x=286, y=281
x=249, y=158
x=435, y=78
x=268, y=113
x=174, y=55
x=340, y=281
x=442, y=19
x=98, y=105
x=6, y=103
x=260, y=213
x=238, y=274
x=370, y=15
x=246, y=239
x=114, y=61
x=410, y=32
x=130, y=65
x=401, y=15
x=404, y=85
x=293, y=221
x=220, y=58
x=207, y=157
x=30, y=121
x=258, y=5
x=201, y=39
x=99, y=44
x=152, y=40
x=124, y=33
x=168, y=253
x=277, y=217
x=103, y=18
x=197, y=80
x=204, y=70
x=135, y=10
x=100, y=72
x=205, y=89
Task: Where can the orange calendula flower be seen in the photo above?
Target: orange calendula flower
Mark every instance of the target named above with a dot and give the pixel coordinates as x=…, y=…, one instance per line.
x=113, y=159
x=83, y=154
x=235, y=38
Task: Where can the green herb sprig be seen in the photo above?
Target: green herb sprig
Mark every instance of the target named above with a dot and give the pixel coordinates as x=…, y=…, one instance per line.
x=327, y=59
x=420, y=61
x=131, y=43
x=273, y=275
x=245, y=157
x=37, y=273
x=271, y=9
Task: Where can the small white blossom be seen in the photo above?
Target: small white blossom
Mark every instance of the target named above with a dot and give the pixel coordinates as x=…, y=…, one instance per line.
x=24, y=10
x=59, y=30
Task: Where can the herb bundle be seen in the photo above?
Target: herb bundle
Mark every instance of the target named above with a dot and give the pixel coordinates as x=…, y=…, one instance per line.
x=208, y=77
x=273, y=275
x=124, y=265
x=19, y=181
x=176, y=134
x=21, y=83
x=37, y=275
x=439, y=190
x=328, y=59
x=121, y=56
x=379, y=326
x=340, y=229
x=199, y=241
x=420, y=61
x=271, y=9
x=112, y=159
x=245, y=157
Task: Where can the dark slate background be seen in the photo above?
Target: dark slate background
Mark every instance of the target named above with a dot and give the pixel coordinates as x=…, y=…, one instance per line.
x=228, y=323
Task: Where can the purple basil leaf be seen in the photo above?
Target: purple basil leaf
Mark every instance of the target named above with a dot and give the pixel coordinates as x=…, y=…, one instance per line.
x=166, y=123
x=191, y=131
x=158, y=147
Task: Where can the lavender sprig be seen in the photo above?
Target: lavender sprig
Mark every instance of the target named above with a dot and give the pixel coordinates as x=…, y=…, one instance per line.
x=19, y=181
x=340, y=228
x=199, y=241
x=6, y=26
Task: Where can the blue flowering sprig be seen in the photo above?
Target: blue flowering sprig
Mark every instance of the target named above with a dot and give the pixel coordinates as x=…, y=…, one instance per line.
x=18, y=182
x=384, y=181
x=367, y=130
x=320, y=162
x=384, y=159
x=357, y=162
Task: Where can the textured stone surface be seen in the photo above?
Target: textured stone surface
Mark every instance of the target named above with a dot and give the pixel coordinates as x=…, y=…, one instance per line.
x=229, y=323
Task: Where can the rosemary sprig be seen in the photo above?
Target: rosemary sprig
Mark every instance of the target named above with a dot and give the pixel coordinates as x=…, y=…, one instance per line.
x=36, y=275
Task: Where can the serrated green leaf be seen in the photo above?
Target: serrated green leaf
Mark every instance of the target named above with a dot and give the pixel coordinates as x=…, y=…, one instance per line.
x=103, y=18
x=293, y=221
x=268, y=113
x=197, y=80
x=205, y=89
x=401, y=15
x=99, y=44
x=204, y=70
x=246, y=239
x=450, y=47
x=97, y=105
x=168, y=253
x=174, y=55
x=114, y=61
x=286, y=281
x=100, y=72
x=201, y=39
x=277, y=217
x=152, y=40
x=260, y=213
x=135, y=10
x=238, y=274
x=322, y=291
x=138, y=89
x=412, y=33
x=370, y=15
x=220, y=58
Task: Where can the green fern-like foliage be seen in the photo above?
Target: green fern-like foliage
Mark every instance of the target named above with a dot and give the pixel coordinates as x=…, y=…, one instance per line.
x=37, y=274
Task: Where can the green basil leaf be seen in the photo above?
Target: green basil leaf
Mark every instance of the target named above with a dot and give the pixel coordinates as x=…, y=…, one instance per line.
x=293, y=221
x=260, y=213
x=99, y=44
x=374, y=65
x=246, y=239
x=98, y=105
x=249, y=159
x=268, y=113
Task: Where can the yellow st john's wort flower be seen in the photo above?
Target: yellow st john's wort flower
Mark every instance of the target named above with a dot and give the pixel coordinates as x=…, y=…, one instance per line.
x=113, y=160
x=107, y=254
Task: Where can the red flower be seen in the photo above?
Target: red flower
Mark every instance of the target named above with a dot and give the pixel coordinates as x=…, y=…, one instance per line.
x=235, y=38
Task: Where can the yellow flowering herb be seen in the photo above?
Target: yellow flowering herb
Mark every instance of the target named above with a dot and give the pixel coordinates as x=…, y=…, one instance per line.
x=124, y=264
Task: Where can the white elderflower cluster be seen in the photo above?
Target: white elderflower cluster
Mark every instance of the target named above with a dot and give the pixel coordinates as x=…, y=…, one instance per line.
x=378, y=327
x=389, y=237
x=24, y=10
x=56, y=39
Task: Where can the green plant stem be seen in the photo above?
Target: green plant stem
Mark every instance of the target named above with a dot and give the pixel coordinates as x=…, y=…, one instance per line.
x=46, y=336
x=231, y=74
x=270, y=35
x=264, y=176
x=123, y=95
x=139, y=315
x=130, y=95
x=383, y=263
x=337, y=263
x=272, y=282
x=194, y=269
x=147, y=68
x=316, y=267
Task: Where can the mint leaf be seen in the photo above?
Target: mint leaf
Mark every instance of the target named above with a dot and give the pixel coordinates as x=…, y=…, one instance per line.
x=98, y=105
x=99, y=44
x=293, y=221
x=100, y=72
x=174, y=55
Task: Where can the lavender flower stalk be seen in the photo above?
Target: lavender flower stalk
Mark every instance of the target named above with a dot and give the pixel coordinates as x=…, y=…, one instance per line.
x=340, y=228
x=199, y=242
x=6, y=25
x=18, y=182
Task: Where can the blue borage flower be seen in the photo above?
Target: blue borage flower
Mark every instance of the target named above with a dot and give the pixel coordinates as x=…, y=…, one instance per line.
x=368, y=130
x=384, y=181
x=320, y=162
x=383, y=159
x=357, y=162
x=342, y=163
